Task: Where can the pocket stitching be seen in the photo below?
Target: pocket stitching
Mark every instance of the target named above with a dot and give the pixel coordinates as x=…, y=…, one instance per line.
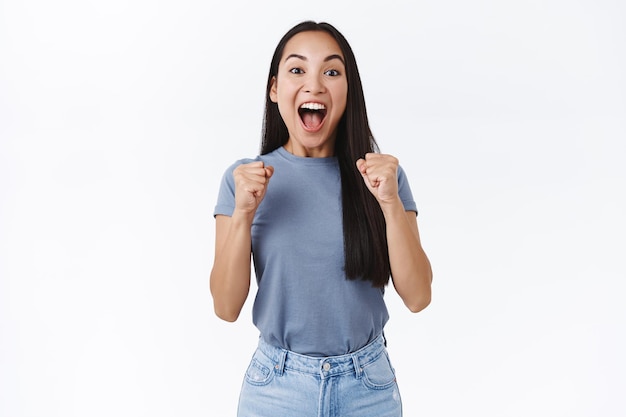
x=264, y=370
x=369, y=384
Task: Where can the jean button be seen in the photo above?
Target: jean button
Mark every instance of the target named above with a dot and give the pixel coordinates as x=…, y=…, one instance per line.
x=326, y=366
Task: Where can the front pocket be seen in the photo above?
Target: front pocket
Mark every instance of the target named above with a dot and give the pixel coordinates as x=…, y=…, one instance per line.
x=259, y=371
x=379, y=374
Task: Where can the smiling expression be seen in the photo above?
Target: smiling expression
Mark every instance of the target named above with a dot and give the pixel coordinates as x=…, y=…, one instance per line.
x=311, y=90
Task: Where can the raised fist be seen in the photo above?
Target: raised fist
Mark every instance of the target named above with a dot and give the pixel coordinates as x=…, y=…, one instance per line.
x=380, y=173
x=251, y=182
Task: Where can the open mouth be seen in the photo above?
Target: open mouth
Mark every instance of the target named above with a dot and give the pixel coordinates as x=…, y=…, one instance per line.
x=312, y=115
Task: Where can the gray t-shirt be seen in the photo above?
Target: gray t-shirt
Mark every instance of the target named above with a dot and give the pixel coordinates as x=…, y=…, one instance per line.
x=304, y=302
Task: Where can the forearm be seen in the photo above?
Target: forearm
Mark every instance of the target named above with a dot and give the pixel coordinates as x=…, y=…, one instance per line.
x=410, y=268
x=230, y=276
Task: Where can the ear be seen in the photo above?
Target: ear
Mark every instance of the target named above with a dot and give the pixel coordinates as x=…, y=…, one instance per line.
x=273, y=92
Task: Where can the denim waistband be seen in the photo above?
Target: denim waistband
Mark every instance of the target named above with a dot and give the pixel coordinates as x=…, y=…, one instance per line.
x=324, y=366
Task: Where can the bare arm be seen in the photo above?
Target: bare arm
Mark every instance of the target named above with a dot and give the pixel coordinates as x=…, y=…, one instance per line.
x=230, y=276
x=410, y=268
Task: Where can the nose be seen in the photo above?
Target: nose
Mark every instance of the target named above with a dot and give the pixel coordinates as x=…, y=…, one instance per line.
x=314, y=84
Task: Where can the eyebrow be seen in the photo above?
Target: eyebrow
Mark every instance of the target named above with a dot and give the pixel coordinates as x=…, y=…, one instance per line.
x=328, y=58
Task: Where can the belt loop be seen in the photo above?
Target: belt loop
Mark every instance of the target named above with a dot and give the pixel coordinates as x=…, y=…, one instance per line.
x=357, y=367
x=280, y=366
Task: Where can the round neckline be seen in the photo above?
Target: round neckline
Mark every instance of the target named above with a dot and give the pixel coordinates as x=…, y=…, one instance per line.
x=329, y=160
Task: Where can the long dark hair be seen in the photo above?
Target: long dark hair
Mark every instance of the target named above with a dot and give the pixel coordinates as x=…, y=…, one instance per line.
x=364, y=231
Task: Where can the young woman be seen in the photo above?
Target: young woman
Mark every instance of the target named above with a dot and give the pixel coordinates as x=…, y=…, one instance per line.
x=327, y=220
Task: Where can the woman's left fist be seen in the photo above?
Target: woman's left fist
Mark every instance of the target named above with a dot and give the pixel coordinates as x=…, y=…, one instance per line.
x=380, y=173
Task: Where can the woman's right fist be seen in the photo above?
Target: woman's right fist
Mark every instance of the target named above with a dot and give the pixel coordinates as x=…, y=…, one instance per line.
x=251, y=182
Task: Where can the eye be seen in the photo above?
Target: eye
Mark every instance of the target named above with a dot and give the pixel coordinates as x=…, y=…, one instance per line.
x=331, y=73
x=296, y=71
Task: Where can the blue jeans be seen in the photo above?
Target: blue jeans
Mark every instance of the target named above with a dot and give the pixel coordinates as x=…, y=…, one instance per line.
x=280, y=383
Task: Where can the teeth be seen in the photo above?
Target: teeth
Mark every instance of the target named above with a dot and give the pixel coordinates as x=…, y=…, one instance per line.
x=313, y=106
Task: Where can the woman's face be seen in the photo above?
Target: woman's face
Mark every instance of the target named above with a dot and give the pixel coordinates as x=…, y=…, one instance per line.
x=311, y=91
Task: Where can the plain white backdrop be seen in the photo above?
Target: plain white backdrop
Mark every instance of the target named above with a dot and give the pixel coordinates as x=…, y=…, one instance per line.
x=117, y=119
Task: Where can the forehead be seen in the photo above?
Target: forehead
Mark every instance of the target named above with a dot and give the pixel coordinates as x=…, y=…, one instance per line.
x=312, y=44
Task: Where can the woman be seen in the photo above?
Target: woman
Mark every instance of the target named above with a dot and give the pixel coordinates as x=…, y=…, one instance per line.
x=327, y=220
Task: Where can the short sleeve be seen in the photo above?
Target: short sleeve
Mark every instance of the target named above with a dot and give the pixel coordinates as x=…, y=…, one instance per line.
x=226, y=196
x=404, y=191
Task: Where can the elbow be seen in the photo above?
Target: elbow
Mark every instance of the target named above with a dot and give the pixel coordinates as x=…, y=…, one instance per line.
x=223, y=309
x=417, y=307
x=228, y=315
x=419, y=304
x=231, y=318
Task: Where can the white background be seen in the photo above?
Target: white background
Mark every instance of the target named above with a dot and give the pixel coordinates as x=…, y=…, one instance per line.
x=117, y=119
